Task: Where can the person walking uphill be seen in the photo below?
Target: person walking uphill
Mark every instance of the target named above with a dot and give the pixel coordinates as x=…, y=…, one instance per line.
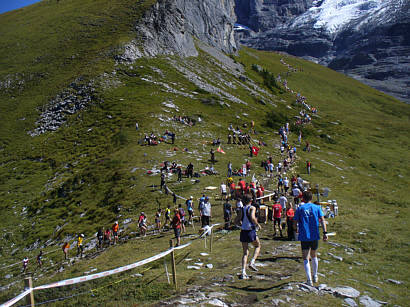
x=205, y=209
x=80, y=245
x=249, y=224
x=307, y=218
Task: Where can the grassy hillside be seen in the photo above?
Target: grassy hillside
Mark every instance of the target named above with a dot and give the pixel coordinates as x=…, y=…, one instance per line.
x=92, y=171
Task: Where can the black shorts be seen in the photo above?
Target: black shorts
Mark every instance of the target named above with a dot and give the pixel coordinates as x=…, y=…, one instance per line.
x=177, y=232
x=248, y=235
x=191, y=212
x=205, y=220
x=313, y=245
x=115, y=234
x=276, y=220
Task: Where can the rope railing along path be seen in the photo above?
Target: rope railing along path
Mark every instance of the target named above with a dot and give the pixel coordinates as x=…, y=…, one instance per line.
x=76, y=280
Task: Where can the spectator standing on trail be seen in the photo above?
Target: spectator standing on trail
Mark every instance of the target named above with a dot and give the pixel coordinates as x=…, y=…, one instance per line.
x=40, y=259
x=307, y=218
x=277, y=214
x=296, y=194
x=308, y=165
x=176, y=225
x=142, y=224
x=223, y=190
x=174, y=198
x=100, y=237
x=249, y=224
x=290, y=213
x=162, y=180
x=80, y=248
x=227, y=214
x=158, y=219
x=205, y=212
x=115, y=229
x=167, y=221
x=107, y=237
x=229, y=169
x=179, y=172
x=25, y=264
x=190, y=209
x=65, y=248
x=286, y=184
x=181, y=212
x=283, y=201
x=212, y=152
x=190, y=170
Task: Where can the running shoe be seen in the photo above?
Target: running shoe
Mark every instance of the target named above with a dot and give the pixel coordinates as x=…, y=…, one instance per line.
x=309, y=282
x=315, y=278
x=253, y=267
x=244, y=276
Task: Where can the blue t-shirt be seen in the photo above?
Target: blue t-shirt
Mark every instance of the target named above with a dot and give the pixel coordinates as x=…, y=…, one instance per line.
x=307, y=217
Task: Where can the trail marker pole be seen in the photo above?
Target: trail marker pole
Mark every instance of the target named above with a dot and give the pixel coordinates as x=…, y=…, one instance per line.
x=210, y=240
x=174, y=273
x=28, y=284
x=166, y=270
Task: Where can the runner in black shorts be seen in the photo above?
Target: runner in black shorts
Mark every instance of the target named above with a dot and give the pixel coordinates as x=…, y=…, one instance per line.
x=307, y=217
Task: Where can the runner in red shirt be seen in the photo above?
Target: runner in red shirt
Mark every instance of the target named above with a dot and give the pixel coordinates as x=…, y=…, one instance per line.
x=232, y=189
x=277, y=214
x=242, y=184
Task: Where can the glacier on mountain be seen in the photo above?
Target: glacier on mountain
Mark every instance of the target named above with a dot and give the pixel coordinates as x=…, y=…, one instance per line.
x=333, y=15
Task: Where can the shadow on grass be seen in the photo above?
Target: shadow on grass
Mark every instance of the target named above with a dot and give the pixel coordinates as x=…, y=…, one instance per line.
x=251, y=288
x=274, y=259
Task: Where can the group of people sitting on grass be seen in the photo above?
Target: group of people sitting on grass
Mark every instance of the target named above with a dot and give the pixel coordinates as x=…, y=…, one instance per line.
x=186, y=120
x=152, y=139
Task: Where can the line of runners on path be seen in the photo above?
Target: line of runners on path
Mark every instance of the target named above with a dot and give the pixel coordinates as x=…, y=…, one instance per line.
x=303, y=219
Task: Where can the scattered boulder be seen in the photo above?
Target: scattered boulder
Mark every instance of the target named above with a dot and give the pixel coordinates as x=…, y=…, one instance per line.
x=393, y=281
x=367, y=301
x=351, y=302
x=345, y=291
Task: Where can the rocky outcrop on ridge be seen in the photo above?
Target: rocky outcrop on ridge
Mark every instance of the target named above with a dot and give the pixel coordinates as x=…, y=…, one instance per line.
x=170, y=28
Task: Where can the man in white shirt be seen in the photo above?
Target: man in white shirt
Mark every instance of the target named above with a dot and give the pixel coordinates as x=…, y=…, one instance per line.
x=205, y=212
x=283, y=201
x=223, y=190
x=296, y=192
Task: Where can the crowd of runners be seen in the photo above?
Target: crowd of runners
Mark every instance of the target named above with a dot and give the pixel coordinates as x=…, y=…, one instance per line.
x=246, y=204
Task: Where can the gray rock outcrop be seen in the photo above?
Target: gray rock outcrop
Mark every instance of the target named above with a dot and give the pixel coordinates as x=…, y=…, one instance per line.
x=170, y=28
x=368, y=40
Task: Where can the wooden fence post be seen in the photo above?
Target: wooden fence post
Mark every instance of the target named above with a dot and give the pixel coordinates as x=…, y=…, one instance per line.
x=174, y=273
x=28, y=284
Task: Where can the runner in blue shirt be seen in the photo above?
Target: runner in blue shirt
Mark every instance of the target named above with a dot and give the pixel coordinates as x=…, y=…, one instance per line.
x=307, y=218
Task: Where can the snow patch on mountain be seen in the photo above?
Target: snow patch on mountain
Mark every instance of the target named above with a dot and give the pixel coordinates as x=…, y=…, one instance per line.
x=333, y=15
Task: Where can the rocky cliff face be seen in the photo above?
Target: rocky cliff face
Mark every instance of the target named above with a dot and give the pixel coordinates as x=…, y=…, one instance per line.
x=366, y=39
x=171, y=26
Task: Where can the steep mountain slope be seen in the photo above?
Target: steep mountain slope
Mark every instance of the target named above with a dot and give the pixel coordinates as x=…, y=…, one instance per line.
x=365, y=39
x=71, y=159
